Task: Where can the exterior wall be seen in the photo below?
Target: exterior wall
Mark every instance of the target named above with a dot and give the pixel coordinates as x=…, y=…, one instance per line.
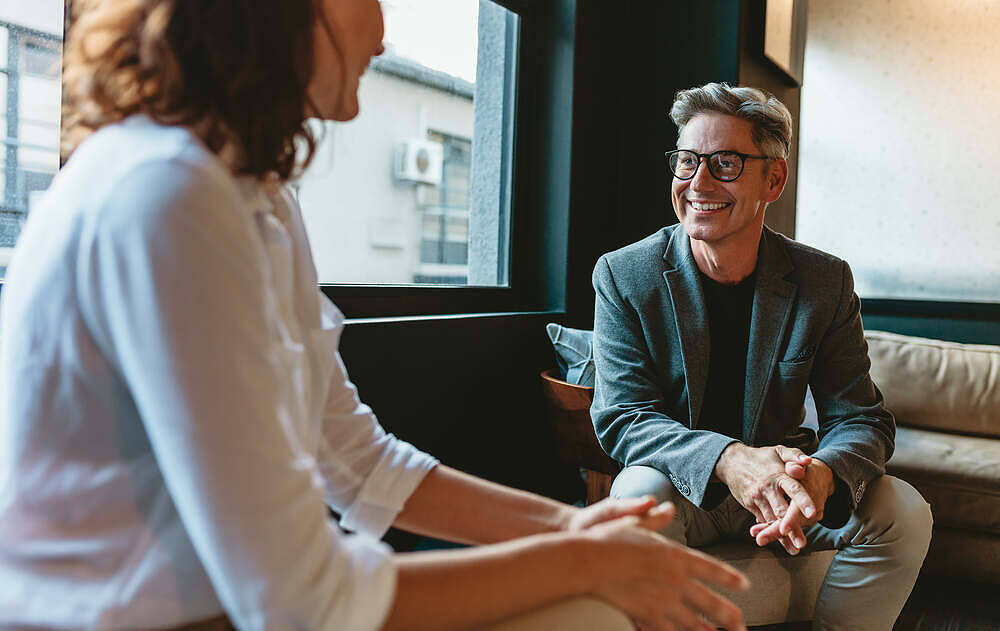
x=900, y=145
x=363, y=224
x=39, y=15
x=30, y=44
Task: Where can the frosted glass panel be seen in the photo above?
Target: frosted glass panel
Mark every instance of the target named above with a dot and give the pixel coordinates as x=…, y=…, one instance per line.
x=900, y=145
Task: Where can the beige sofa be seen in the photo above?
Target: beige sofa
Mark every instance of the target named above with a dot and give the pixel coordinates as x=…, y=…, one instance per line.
x=946, y=400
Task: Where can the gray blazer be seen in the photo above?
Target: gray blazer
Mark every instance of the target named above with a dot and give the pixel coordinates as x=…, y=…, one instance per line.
x=651, y=349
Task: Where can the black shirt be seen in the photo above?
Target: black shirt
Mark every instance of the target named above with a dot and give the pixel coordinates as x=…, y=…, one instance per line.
x=729, y=308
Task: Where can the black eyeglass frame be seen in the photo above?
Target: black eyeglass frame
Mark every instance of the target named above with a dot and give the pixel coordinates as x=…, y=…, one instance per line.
x=708, y=161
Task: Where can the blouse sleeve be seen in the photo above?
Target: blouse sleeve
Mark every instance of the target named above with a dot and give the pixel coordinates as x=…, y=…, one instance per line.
x=171, y=282
x=369, y=473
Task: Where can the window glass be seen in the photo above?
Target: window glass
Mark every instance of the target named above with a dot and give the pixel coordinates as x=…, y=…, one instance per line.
x=408, y=192
x=30, y=58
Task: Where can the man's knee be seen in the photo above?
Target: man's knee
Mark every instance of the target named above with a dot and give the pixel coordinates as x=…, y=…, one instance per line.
x=891, y=507
x=639, y=480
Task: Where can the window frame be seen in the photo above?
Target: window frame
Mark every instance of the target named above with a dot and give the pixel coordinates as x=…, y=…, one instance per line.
x=536, y=269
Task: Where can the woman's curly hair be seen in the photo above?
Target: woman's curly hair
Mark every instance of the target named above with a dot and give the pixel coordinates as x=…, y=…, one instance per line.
x=236, y=71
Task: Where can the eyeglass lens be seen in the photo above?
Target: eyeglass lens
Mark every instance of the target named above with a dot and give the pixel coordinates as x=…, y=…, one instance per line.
x=724, y=165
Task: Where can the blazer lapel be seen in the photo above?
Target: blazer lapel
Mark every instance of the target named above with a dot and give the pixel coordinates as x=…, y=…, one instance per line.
x=772, y=306
x=688, y=304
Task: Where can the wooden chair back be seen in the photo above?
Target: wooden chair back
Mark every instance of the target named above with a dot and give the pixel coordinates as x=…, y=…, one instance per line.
x=568, y=410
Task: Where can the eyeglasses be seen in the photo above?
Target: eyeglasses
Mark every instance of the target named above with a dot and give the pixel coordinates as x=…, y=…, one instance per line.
x=724, y=166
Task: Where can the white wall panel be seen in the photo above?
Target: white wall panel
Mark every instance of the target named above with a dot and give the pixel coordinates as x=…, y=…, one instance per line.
x=900, y=145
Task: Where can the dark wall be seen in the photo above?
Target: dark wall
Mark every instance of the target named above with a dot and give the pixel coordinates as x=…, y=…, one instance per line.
x=465, y=389
x=756, y=70
x=631, y=58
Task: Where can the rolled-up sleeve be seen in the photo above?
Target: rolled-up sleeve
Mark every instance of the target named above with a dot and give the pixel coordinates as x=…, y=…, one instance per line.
x=368, y=473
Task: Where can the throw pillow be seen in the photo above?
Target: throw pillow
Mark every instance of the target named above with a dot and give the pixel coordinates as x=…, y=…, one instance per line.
x=575, y=353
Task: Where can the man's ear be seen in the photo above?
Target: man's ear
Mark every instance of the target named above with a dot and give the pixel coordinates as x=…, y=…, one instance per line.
x=776, y=178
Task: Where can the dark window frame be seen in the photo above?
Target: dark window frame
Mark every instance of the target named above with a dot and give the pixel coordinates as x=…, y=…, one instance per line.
x=537, y=270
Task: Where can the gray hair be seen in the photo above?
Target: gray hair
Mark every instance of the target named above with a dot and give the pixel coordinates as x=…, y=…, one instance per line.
x=771, y=120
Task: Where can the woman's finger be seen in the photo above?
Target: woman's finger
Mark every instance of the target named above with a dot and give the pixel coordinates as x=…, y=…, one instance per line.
x=611, y=508
x=658, y=517
x=710, y=570
x=711, y=605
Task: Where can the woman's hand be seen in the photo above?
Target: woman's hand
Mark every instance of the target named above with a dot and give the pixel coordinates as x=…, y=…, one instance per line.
x=606, y=510
x=662, y=585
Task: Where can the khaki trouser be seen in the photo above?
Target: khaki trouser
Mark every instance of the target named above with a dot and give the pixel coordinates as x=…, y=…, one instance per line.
x=879, y=550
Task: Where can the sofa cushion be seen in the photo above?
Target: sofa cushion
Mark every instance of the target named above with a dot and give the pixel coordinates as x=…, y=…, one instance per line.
x=575, y=353
x=938, y=385
x=959, y=476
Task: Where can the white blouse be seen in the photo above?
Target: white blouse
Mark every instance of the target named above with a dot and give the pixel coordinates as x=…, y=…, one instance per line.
x=175, y=411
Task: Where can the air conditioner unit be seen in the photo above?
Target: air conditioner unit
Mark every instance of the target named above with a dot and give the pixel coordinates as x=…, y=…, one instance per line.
x=419, y=161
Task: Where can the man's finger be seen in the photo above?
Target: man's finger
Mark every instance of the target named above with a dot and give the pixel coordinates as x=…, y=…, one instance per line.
x=790, y=520
x=765, y=509
x=779, y=505
x=798, y=494
x=789, y=546
x=795, y=470
x=771, y=533
x=791, y=526
x=792, y=454
x=767, y=535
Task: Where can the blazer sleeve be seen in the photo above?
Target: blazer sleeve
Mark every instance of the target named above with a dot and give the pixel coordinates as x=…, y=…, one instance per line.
x=629, y=411
x=856, y=431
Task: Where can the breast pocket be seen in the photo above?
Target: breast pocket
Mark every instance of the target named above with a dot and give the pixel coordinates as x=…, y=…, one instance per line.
x=795, y=369
x=787, y=393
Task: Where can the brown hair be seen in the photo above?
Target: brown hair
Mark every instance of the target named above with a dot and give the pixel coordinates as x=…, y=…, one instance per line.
x=236, y=71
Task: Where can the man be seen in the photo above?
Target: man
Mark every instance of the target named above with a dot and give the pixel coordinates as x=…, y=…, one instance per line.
x=706, y=336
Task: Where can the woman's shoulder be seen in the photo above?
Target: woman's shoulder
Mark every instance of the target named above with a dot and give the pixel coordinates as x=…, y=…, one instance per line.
x=137, y=174
x=141, y=149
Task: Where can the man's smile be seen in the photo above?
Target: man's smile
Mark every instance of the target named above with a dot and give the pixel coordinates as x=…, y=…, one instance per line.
x=707, y=206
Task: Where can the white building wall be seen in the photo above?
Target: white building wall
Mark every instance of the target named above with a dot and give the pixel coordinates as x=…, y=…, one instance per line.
x=40, y=15
x=900, y=147
x=363, y=225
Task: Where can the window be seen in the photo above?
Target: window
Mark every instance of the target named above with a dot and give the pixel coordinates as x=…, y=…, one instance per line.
x=444, y=238
x=30, y=56
x=414, y=190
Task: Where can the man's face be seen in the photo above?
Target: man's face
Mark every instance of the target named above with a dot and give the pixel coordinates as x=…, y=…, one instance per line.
x=718, y=212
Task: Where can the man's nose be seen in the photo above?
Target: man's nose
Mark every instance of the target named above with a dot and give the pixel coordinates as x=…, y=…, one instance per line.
x=702, y=179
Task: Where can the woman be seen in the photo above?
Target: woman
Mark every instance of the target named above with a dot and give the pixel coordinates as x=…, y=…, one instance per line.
x=176, y=410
